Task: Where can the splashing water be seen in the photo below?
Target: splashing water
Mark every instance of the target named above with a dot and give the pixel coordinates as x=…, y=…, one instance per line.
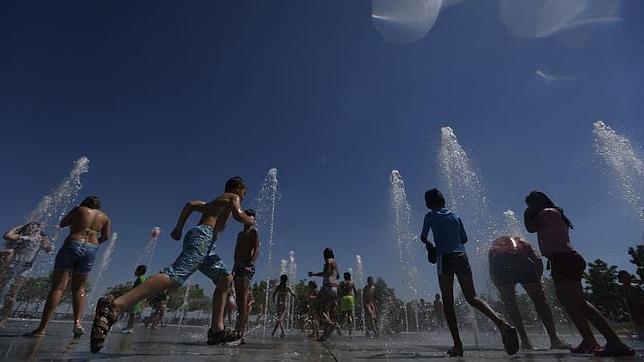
x=291, y=271
x=401, y=217
x=404, y=21
x=359, y=278
x=624, y=159
x=51, y=209
x=283, y=264
x=465, y=194
x=267, y=205
x=512, y=226
x=145, y=256
x=106, y=258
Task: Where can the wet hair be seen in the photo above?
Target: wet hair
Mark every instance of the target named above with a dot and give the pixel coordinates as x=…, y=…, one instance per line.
x=328, y=253
x=369, y=279
x=437, y=296
x=92, y=202
x=347, y=276
x=313, y=284
x=540, y=201
x=140, y=270
x=434, y=199
x=249, y=212
x=233, y=183
x=283, y=279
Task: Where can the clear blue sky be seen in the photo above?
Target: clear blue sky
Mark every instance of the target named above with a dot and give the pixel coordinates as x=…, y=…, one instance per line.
x=169, y=99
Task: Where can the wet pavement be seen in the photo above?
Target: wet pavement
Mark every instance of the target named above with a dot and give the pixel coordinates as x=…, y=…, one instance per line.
x=188, y=344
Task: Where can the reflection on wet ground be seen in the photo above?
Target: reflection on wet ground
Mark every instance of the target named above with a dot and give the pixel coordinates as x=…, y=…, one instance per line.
x=188, y=344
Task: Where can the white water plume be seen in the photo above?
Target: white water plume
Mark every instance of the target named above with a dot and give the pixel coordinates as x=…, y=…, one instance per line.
x=465, y=195
x=267, y=200
x=624, y=160
x=401, y=217
x=53, y=207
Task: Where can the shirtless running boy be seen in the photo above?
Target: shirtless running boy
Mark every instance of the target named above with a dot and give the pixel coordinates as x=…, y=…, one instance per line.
x=246, y=253
x=370, y=308
x=198, y=254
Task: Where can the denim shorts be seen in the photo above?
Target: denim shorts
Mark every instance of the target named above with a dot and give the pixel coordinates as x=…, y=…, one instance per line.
x=198, y=254
x=76, y=256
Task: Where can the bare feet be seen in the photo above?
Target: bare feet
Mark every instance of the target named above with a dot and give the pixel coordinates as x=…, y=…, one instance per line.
x=78, y=331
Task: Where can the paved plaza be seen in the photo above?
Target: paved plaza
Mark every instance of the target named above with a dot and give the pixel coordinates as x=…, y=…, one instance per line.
x=188, y=344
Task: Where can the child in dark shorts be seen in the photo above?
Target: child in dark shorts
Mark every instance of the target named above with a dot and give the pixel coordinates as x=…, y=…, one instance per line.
x=567, y=268
x=246, y=254
x=450, y=237
x=514, y=261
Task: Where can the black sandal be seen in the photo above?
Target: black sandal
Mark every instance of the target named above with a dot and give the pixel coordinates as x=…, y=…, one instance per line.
x=103, y=321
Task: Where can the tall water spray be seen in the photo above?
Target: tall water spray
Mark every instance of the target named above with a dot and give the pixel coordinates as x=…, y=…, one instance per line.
x=512, y=226
x=291, y=271
x=466, y=195
x=359, y=279
x=52, y=207
x=106, y=258
x=401, y=217
x=267, y=205
x=624, y=159
x=145, y=256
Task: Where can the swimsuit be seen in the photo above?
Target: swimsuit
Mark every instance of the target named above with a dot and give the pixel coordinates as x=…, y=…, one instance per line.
x=567, y=266
x=76, y=256
x=198, y=254
x=510, y=262
x=454, y=263
x=240, y=271
x=347, y=303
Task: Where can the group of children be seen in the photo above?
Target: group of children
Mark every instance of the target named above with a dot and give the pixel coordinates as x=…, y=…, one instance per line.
x=327, y=307
x=512, y=261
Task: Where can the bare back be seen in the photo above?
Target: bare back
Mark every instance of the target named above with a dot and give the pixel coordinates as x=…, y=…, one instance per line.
x=216, y=213
x=369, y=293
x=85, y=224
x=247, y=243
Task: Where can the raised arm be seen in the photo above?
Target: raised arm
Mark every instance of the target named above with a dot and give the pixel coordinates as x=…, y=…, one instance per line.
x=238, y=213
x=531, y=220
x=327, y=272
x=188, y=209
x=13, y=234
x=106, y=230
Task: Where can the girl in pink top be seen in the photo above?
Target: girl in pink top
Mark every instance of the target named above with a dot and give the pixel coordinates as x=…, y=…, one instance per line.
x=567, y=268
